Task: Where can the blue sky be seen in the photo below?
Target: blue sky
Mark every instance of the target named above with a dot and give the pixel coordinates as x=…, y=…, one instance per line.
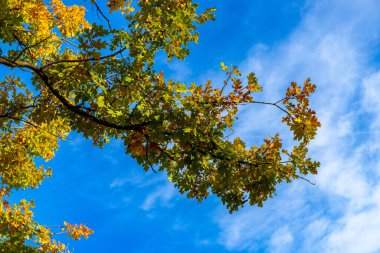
x=333, y=42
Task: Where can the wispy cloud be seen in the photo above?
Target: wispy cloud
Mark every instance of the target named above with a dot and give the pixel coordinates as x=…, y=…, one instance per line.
x=281, y=240
x=179, y=70
x=161, y=196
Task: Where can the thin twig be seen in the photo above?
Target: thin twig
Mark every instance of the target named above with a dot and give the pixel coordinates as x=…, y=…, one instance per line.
x=268, y=103
x=30, y=46
x=101, y=13
x=305, y=179
x=82, y=60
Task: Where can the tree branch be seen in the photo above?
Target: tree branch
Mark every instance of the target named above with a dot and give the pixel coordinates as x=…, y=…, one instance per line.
x=83, y=60
x=29, y=47
x=274, y=104
x=75, y=109
x=101, y=13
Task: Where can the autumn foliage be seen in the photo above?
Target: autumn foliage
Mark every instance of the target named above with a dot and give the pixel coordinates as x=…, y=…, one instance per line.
x=102, y=82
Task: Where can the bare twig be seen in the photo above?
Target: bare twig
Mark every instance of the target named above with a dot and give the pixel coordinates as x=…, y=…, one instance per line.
x=274, y=104
x=101, y=13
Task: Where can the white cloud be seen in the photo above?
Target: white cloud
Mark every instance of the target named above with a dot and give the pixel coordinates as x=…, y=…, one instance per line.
x=332, y=44
x=371, y=102
x=138, y=179
x=162, y=197
x=357, y=232
x=281, y=240
x=314, y=232
x=249, y=228
x=118, y=182
x=179, y=69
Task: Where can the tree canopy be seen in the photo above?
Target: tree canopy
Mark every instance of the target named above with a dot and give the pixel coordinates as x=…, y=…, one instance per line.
x=103, y=82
